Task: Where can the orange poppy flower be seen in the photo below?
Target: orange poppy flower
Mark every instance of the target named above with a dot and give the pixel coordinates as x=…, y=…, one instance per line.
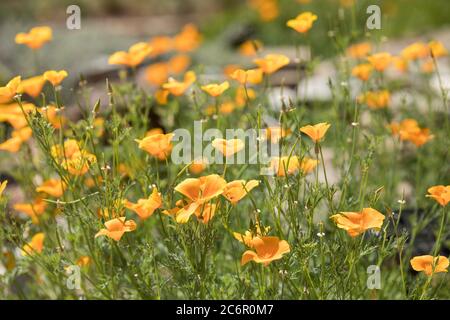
x=359, y=50
x=83, y=261
x=188, y=39
x=291, y=165
x=427, y=263
x=157, y=73
x=35, y=38
x=161, y=96
x=8, y=92
x=380, y=61
x=55, y=77
x=36, y=245
x=267, y=9
x=13, y=114
x=52, y=187
x=183, y=211
x=249, y=235
x=274, y=134
x=317, y=131
x=362, y=71
x=440, y=193
x=198, y=165
x=409, y=130
x=160, y=45
x=243, y=95
x=438, y=49
x=3, y=187
x=32, y=86
x=400, y=64
x=427, y=66
x=267, y=250
x=303, y=22
x=158, y=145
x=356, y=223
x=75, y=160
x=116, y=228
x=236, y=190
x=178, y=88
x=252, y=76
x=272, y=63
x=17, y=138
x=135, y=55
x=250, y=48
x=228, y=147
x=214, y=89
x=377, y=99
x=34, y=210
x=179, y=63
x=417, y=50
x=144, y=208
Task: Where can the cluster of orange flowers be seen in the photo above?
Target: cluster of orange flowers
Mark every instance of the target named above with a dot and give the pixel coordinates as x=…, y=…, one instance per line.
x=409, y=130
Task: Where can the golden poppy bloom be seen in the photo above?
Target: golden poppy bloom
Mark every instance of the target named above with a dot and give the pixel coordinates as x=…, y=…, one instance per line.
x=415, y=51
x=356, y=223
x=32, y=86
x=272, y=63
x=55, y=77
x=8, y=92
x=135, y=55
x=157, y=73
x=52, y=187
x=359, y=50
x=144, y=208
x=377, y=99
x=437, y=49
x=75, y=160
x=157, y=145
x=179, y=63
x=267, y=9
x=236, y=190
x=183, y=211
x=380, y=61
x=116, y=228
x=303, y=22
x=36, y=245
x=427, y=66
x=267, y=250
x=249, y=235
x=3, y=187
x=17, y=138
x=13, y=114
x=161, y=96
x=316, y=132
x=286, y=165
x=400, y=64
x=427, y=263
x=409, y=130
x=198, y=165
x=228, y=147
x=35, y=38
x=83, y=261
x=34, y=210
x=242, y=95
x=252, y=76
x=274, y=134
x=160, y=45
x=199, y=191
x=214, y=89
x=177, y=88
x=440, y=193
x=362, y=71
x=188, y=39
x=250, y=48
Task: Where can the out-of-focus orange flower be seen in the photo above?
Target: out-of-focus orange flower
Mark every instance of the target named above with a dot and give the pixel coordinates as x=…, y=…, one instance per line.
x=3, y=187
x=250, y=48
x=157, y=145
x=267, y=250
x=236, y=190
x=272, y=62
x=154, y=131
x=356, y=223
x=303, y=22
x=161, y=96
x=267, y=9
x=362, y=71
x=440, y=193
x=178, y=88
x=8, y=92
x=376, y=99
x=179, y=63
x=52, y=187
x=17, y=138
x=199, y=191
x=359, y=50
x=53, y=116
x=160, y=45
x=32, y=86
x=55, y=77
x=274, y=134
x=427, y=66
x=34, y=210
x=228, y=147
x=380, y=61
x=157, y=73
x=9, y=260
x=35, y=246
x=252, y=76
x=135, y=55
x=116, y=228
x=230, y=68
x=316, y=132
x=243, y=95
x=286, y=165
x=214, y=89
x=409, y=130
x=13, y=114
x=438, y=49
x=427, y=263
x=198, y=165
x=188, y=39
x=35, y=38
x=400, y=64
x=415, y=51
x=144, y=208
x=83, y=261
x=74, y=159
x=182, y=212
